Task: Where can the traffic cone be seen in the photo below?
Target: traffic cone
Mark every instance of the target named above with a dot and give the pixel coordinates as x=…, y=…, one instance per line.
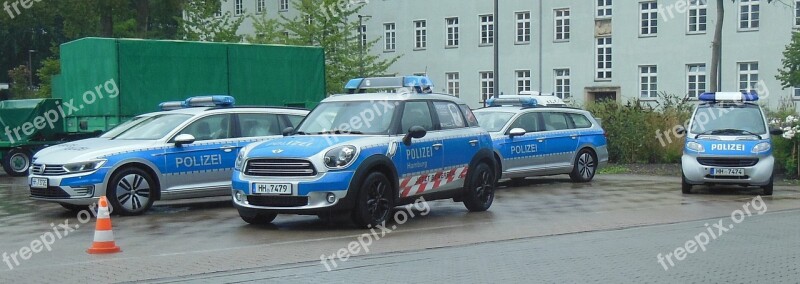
x=103, y=236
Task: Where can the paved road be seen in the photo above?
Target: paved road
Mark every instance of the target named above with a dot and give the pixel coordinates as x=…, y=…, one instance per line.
x=200, y=238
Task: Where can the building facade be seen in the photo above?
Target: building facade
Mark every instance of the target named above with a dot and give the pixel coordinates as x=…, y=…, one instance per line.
x=579, y=50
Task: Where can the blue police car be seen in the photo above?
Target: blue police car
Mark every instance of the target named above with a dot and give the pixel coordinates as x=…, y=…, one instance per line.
x=365, y=153
x=728, y=142
x=184, y=152
x=537, y=135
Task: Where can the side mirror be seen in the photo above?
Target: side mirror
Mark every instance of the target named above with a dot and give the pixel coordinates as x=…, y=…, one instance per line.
x=517, y=132
x=414, y=132
x=184, y=139
x=680, y=130
x=775, y=131
x=288, y=131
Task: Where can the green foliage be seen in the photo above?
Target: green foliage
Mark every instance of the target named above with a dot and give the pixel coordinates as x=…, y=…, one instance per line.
x=201, y=22
x=20, y=84
x=613, y=170
x=789, y=75
x=785, y=150
x=50, y=67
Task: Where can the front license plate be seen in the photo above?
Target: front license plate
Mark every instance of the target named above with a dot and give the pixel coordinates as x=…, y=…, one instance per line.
x=727, y=172
x=273, y=188
x=39, y=182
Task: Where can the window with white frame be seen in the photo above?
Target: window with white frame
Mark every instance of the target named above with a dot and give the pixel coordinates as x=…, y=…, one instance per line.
x=238, y=7
x=218, y=13
x=487, y=29
x=561, y=24
x=697, y=16
x=283, y=5
x=523, y=80
x=261, y=6
x=363, y=31
x=748, y=76
x=451, y=31
x=603, y=8
x=749, y=14
x=453, y=84
x=603, y=66
x=523, y=27
x=696, y=80
x=420, y=34
x=562, y=84
x=649, y=18
x=487, y=85
x=389, y=37
x=797, y=13
x=797, y=92
x=648, y=82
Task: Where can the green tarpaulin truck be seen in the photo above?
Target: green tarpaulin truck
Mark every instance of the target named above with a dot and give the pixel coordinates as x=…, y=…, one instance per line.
x=104, y=82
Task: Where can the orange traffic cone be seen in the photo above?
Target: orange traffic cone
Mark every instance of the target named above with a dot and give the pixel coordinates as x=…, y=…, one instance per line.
x=103, y=236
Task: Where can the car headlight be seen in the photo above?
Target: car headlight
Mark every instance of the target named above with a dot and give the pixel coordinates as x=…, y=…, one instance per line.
x=239, y=165
x=340, y=157
x=84, y=166
x=762, y=147
x=694, y=146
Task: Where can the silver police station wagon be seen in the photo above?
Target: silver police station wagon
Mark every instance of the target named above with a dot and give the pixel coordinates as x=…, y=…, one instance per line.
x=186, y=151
x=364, y=154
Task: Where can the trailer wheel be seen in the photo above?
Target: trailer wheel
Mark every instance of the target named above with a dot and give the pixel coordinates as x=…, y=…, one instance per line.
x=16, y=162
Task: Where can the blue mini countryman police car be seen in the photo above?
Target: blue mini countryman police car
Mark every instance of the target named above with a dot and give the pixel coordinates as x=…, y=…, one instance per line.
x=181, y=153
x=728, y=142
x=365, y=153
x=536, y=135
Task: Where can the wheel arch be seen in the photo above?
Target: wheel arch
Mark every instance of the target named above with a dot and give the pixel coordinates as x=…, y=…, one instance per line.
x=146, y=167
x=373, y=163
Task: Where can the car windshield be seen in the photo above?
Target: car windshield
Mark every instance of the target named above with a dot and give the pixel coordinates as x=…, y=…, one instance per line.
x=357, y=117
x=493, y=121
x=155, y=127
x=122, y=127
x=733, y=119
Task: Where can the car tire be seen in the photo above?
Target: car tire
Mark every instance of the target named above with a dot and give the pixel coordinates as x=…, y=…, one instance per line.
x=768, y=188
x=585, y=166
x=17, y=162
x=479, y=190
x=374, y=202
x=74, y=208
x=259, y=219
x=131, y=192
x=686, y=187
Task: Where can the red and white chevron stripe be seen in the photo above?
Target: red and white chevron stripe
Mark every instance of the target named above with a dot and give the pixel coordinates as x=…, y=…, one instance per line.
x=416, y=185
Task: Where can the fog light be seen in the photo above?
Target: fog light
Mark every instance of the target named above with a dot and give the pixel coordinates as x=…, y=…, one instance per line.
x=240, y=196
x=331, y=198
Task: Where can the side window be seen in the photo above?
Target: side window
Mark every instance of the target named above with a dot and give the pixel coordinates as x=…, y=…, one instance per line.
x=210, y=128
x=555, y=121
x=416, y=114
x=472, y=121
x=449, y=114
x=528, y=121
x=259, y=124
x=580, y=120
x=295, y=120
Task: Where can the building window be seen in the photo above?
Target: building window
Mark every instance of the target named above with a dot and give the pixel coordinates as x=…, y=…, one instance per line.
x=603, y=8
x=698, y=16
x=648, y=82
x=562, y=88
x=696, y=78
x=797, y=92
x=453, y=84
x=562, y=25
x=420, y=34
x=524, y=27
x=260, y=6
x=452, y=32
x=649, y=18
x=487, y=85
x=797, y=13
x=238, y=7
x=218, y=13
x=748, y=14
x=363, y=32
x=748, y=76
x=603, y=58
x=523, y=80
x=487, y=29
x=283, y=5
x=389, y=37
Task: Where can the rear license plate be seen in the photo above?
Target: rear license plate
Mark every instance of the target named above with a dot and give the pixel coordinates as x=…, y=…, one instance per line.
x=272, y=188
x=727, y=172
x=39, y=182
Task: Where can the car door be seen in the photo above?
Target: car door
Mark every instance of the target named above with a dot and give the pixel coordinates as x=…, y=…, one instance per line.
x=562, y=140
x=460, y=145
x=418, y=162
x=524, y=155
x=204, y=167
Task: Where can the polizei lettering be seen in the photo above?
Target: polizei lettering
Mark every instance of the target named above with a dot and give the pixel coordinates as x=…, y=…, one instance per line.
x=524, y=149
x=727, y=147
x=198, y=161
x=419, y=153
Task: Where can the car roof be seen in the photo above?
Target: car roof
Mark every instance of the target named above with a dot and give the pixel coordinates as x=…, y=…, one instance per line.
x=391, y=97
x=203, y=110
x=518, y=109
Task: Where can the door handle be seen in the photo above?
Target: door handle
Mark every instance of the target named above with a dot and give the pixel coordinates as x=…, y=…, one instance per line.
x=437, y=146
x=473, y=142
x=574, y=136
x=540, y=140
x=227, y=149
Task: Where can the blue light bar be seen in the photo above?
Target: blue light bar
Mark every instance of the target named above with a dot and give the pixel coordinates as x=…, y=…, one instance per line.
x=165, y=106
x=210, y=101
x=513, y=100
x=729, y=96
x=420, y=84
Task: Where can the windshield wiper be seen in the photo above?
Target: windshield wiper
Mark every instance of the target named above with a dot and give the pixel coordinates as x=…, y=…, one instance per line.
x=748, y=133
x=338, y=131
x=709, y=132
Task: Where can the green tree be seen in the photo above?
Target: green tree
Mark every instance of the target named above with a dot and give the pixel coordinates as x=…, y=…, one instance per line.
x=790, y=74
x=20, y=84
x=202, y=21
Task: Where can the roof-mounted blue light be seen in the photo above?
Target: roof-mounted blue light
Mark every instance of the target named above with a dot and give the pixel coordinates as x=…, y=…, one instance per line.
x=210, y=101
x=165, y=106
x=729, y=97
x=419, y=84
x=538, y=100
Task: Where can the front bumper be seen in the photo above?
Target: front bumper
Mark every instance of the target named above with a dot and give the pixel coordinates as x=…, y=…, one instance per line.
x=75, y=189
x=309, y=194
x=756, y=175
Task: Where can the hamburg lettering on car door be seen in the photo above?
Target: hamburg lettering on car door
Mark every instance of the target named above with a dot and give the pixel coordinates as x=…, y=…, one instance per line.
x=460, y=144
x=527, y=152
x=562, y=140
x=418, y=162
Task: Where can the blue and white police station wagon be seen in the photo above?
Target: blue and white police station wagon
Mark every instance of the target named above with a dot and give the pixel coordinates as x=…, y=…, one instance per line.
x=537, y=135
x=728, y=142
x=186, y=151
x=365, y=153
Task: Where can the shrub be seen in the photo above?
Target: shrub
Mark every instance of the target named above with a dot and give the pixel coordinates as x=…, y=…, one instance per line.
x=786, y=148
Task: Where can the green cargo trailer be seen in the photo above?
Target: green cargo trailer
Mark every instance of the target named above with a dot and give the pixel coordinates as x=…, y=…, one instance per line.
x=104, y=82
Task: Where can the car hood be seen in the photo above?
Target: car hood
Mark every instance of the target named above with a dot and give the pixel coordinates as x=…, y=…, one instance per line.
x=303, y=146
x=87, y=149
